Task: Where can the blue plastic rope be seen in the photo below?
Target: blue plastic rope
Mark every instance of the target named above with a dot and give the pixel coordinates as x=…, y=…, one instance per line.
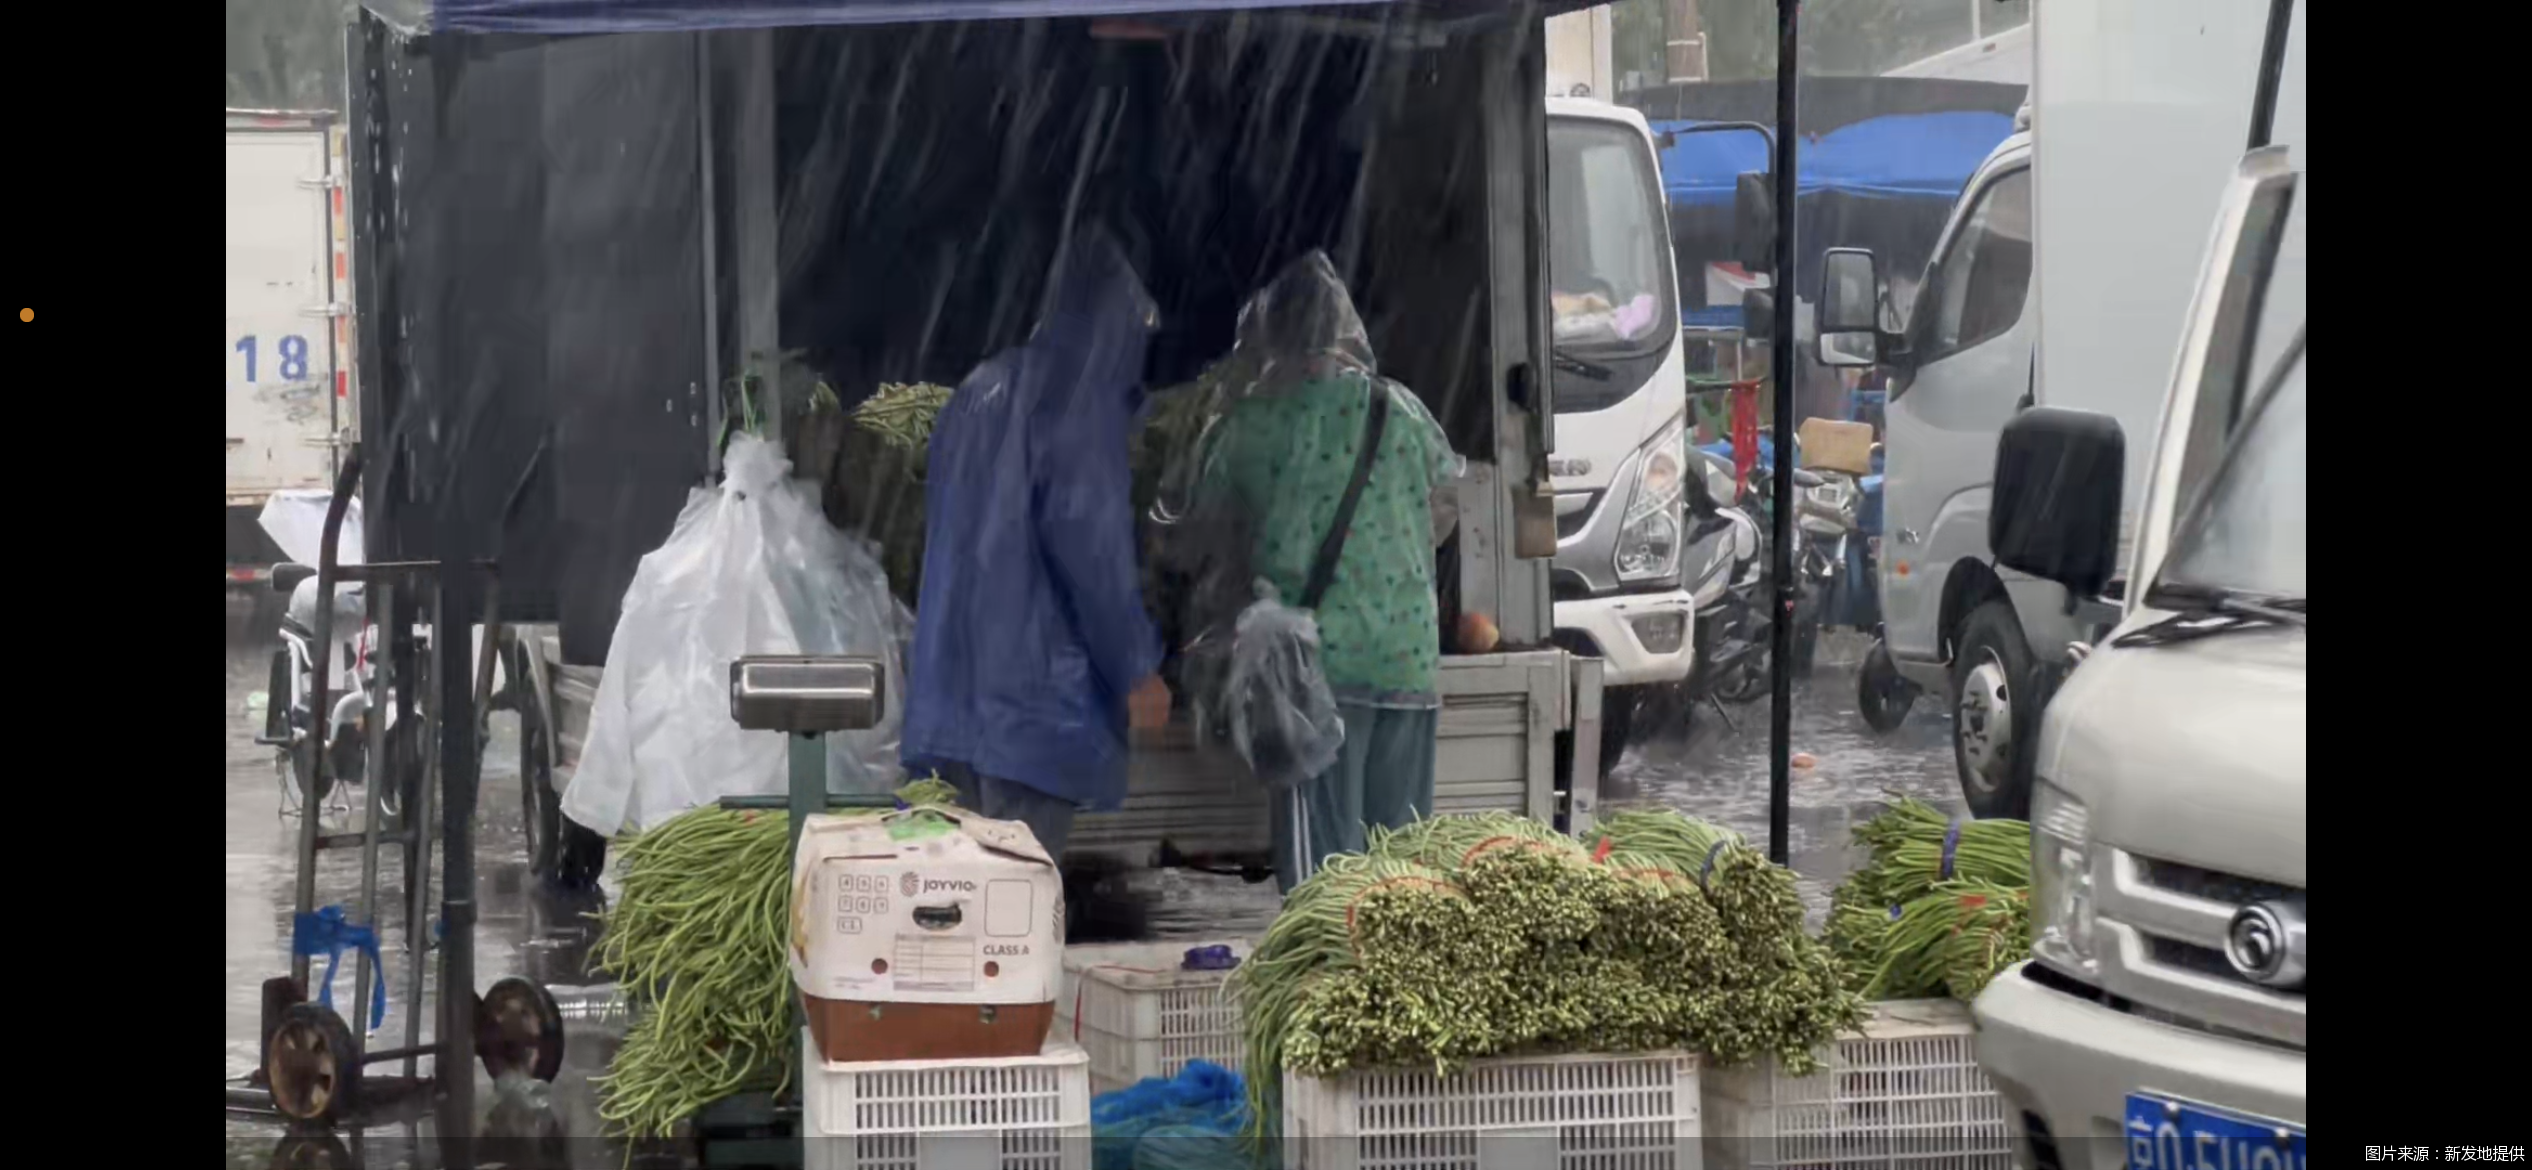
x=1712, y=851
x=327, y=932
x=1951, y=841
x=1212, y=958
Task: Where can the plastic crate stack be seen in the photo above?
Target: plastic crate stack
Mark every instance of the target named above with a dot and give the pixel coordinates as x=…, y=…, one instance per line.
x=1006, y=1113
x=1907, y=1094
x=1585, y=1112
x=1140, y=1011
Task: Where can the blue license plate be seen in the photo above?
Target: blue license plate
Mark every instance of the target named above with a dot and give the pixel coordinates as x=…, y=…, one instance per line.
x=2166, y=1133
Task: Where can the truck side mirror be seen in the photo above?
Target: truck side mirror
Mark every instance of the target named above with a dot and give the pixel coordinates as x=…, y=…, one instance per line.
x=2055, y=512
x=1754, y=222
x=1850, y=301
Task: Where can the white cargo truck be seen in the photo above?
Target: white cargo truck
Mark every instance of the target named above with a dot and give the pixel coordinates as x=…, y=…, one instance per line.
x=2117, y=195
x=288, y=279
x=1621, y=382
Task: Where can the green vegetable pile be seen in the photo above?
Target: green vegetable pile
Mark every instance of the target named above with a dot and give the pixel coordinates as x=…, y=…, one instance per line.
x=1464, y=937
x=902, y=413
x=1914, y=923
x=696, y=939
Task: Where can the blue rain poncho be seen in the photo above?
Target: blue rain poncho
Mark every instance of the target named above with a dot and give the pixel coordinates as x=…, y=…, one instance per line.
x=1031, y=630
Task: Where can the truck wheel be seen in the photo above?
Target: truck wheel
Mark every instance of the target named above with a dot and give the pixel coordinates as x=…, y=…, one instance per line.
x=1882, y=694
x=540, y=808
x=1617, y=723
x=583, y=857
x=1995, y=713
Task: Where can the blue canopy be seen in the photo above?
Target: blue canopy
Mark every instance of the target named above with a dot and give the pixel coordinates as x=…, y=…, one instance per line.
x=1897, y=156
x=567, y=17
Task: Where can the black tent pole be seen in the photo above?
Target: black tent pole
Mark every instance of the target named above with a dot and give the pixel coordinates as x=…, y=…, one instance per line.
x=1781, y=363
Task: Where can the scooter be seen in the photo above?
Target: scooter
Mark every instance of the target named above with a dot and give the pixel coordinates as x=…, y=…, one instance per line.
x=1725, y=572
x=1727, y=545
x=1815, y=574
x=296, y=733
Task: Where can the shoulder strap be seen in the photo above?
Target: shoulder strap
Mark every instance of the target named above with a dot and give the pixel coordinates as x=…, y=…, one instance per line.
x=1331, y=546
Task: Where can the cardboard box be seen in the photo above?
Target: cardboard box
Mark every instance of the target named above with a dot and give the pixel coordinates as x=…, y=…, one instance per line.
x=1830, y=444
x=925, y=935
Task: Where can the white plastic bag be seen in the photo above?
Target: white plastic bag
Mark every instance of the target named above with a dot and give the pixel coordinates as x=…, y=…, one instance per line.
x=752, y=567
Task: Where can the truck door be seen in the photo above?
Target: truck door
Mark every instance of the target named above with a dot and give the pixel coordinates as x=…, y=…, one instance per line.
x=280, y=365
x=1970, y=337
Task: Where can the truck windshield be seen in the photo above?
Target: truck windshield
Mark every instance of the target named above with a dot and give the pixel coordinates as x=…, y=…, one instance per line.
x=2246, y=536
x=1609, y=261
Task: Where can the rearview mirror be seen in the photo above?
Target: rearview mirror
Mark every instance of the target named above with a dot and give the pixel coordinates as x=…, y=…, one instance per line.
x=1846, y=351
x=1754, y=222
x=2055, y=509
x=1850, y=291
x=1850, y=302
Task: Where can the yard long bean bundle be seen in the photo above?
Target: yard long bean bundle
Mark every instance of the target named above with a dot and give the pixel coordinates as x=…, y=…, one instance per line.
x=902, y=414
x=1939, y=909
x=1459, y=938
x=696, y=939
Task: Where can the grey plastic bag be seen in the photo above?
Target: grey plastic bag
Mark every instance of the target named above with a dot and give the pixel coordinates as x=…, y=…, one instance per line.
x=1274, y=700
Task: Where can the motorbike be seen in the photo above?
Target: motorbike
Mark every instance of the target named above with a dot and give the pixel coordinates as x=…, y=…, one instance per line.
x=296, y=732
x=1727, y=546
x=1815, y=574
x=1725, y=575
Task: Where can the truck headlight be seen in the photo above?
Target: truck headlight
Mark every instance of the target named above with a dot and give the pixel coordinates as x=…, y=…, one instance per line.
x=2061, y=882
x=1648, y=533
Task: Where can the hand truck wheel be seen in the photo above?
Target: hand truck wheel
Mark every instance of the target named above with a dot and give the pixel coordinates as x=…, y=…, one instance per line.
x=519, y=1028
x=313, y=1065
x=311, y=1150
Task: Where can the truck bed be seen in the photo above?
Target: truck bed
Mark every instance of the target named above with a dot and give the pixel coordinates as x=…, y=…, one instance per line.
x=1500, y=715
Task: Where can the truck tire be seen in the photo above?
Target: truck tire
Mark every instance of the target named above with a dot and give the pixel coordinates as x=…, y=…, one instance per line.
x=1882, y=696
x=1995, y=712
x=1617, y=726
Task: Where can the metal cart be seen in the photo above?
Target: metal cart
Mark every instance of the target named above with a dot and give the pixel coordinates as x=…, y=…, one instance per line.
x=313, y=1066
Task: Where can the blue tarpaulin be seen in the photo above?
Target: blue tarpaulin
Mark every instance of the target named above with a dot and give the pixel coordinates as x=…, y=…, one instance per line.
x=569, y=17
x=1898, y=156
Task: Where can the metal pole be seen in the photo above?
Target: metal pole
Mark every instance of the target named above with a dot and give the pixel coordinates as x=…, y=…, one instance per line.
x=320, y=703
x=451, y=630
x=1782, y=361
x=382, y=772
x=808, y=782
x=411, y=677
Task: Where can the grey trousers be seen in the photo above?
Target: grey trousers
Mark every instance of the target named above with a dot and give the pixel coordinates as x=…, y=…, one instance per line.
x=1049, y=817
x=1382, y=776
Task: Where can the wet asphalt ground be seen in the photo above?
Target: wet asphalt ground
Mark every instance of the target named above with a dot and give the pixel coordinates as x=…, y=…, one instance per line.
x=1705, y=768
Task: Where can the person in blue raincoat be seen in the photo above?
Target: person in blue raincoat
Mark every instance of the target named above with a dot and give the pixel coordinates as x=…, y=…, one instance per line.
x=1033, y=654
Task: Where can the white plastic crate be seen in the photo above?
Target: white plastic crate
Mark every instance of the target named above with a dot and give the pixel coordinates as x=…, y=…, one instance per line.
x=1587, y=1112
x=1141, y=1015
x=1907, y=1094
x=1007, y=1113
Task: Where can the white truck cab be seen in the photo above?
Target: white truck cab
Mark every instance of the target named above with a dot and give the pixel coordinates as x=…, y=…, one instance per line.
x=2165, y=999
x=1621, y=396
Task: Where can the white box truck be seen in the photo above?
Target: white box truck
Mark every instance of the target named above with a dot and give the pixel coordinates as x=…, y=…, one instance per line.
x=1621, y=385
x=289, y=394
x=2122, y=188
x=2160, y=1023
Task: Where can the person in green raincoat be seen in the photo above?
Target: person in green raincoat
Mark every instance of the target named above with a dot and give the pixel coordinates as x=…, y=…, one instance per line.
x=1292, y=399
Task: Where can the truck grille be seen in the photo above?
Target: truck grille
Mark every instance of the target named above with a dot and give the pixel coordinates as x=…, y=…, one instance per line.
x=2164, y=925
x=2210, y=885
